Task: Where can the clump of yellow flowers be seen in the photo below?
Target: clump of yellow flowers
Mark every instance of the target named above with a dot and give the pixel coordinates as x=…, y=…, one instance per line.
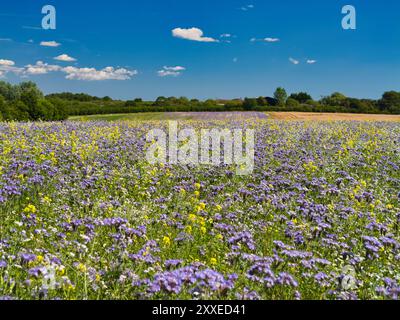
x=167, y=241
x=30, y=209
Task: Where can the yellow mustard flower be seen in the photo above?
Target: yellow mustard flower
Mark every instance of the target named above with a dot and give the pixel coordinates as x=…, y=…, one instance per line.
x=30, y=209
x=167, y=241
x=82, y=268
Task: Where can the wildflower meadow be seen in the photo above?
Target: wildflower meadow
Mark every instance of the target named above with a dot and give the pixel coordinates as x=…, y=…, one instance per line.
x=83, y=215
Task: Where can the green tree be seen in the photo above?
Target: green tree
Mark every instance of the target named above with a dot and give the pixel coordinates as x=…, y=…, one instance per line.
x=3, y=108
x=390, y=102
x=335, y=99
x=261, y=102
x=9, y=92
x=292, y=103
x=249, y=104
x=280, y=95
x=301, y=97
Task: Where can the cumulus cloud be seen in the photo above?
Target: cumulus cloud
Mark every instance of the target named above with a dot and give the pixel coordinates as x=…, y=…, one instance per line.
x=311, y=61
x=72, y=73
x=50, y=44
x=7, y=66
x=92, y=74
x=64, y=57
x=193, y=34
x=4, y=62
x=171, y=71
x=294, y=61
x=40, y=68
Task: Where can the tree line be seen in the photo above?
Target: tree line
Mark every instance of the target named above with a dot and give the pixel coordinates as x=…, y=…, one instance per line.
x=24, y=102
x=336, y=102
x=82, y=104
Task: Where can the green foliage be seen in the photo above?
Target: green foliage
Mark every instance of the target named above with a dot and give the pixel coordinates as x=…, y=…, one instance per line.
x=301, y=97
x=290, y=102
x=280, y=95
x=335, y=99
x=390, y=102
x=262, y=102
x=249, y=104
x=83, y=97
x=26, y=102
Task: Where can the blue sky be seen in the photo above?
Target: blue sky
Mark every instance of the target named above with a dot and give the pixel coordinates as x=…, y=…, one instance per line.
x=135, y=39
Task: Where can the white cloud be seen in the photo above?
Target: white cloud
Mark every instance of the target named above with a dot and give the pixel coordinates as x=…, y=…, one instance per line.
x=271, y=39
x=294, y=61
x=177, y=68
x=171, y=71
x=6, y=39
x=92, y=74
x=50, y=44
x=225, y=35
x=6, y=62
x=7, y=66
x=165, y=73
x=311, y=61
x=193, y=34
x=4, y=69
x=72, y=73
x=64, y=57
x=268, y=39
x=40, y=68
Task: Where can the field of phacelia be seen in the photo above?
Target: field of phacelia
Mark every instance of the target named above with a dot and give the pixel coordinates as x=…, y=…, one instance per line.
x=84, y=216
